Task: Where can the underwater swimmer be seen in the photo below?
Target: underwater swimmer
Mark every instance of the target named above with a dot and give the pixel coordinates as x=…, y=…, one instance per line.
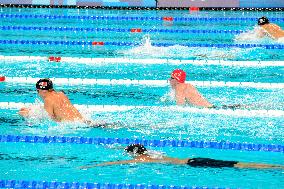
x=57, y=105
x=141, y=155
x=269, y=29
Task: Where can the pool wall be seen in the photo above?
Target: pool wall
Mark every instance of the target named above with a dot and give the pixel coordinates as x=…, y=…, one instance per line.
x=154, y=3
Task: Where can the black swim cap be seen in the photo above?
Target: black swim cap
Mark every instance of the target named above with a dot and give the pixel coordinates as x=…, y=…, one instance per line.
x=136, y=149
x=263, y=20
x=44, y=84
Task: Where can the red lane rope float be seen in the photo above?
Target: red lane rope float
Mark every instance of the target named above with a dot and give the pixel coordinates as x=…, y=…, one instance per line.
x=54, y=59
x=193, y=8
x=168, y=18
x=97, y=43
x=2, y=78
x=136, y=30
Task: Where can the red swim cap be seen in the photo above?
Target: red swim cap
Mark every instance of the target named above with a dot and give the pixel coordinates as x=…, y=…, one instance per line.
x=179, y=75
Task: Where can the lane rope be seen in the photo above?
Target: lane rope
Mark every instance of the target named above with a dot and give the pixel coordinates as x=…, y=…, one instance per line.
x=136, y=18
x=232, y=9
x=35, y=184
x=34, y=28
x=153, y=83
x=123, y=60
x=173, y=108
x=118, y=43
x=225, y=145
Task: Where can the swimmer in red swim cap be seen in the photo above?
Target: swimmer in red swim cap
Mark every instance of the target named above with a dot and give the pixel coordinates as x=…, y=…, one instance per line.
x=185, y=92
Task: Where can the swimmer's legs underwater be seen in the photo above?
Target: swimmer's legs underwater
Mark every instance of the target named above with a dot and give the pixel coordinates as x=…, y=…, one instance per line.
x=230, y=106
x=93, y=124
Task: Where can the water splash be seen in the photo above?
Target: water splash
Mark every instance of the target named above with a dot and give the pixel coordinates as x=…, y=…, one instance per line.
x=169, y=97
x=39, y=122
x=146, y=49
x=37, y=113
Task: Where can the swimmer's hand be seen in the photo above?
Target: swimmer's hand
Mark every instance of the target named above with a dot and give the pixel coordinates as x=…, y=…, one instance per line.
x=24, y=112
x=86, y=167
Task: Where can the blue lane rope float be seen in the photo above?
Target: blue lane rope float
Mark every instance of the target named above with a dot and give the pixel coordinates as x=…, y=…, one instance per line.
x=134, y=18
x=33, y=184
x=32, y=28
x=89, y=43
x=154, y=143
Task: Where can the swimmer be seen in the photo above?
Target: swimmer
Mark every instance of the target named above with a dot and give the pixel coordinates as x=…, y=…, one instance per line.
x=141, y=155
x=57, y=105
x=185, y=92
x=269, y=29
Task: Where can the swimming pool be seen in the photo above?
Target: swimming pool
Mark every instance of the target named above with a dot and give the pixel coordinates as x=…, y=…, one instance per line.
x=114, y=65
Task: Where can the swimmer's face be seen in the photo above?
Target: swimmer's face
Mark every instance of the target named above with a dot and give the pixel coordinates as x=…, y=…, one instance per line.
x=173, y=81
x=41, y=93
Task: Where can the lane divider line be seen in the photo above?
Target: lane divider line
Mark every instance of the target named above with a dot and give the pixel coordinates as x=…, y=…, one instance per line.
x=134, y=18
x=132, y=30
x=38, y=184
x=227, y=145
x=134, y=44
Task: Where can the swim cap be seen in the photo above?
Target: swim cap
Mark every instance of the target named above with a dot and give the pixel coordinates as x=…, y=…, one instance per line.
x=179, y=75
x=136, y=149
x=44, y=84
x=263, y=20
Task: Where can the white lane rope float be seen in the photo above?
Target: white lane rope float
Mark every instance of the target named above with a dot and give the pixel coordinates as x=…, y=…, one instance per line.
x=121, y=108
x=98, y=61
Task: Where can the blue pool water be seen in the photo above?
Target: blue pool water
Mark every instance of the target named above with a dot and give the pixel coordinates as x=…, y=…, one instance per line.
x=142, y=110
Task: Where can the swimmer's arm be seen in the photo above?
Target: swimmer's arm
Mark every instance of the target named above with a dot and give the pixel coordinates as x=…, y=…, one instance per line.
x=180, y=95
x=196, y=98
x=180, y=99
x=110, y=163
x=24, y=112
x=48, y=106
x=260, y=32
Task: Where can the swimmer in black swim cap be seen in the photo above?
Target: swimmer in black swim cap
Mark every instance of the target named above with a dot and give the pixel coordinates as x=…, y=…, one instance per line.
x=142, y=156
x=136, y=149
x=56, y=104
x=263, y=20
x=44, y=84
x=270, y=30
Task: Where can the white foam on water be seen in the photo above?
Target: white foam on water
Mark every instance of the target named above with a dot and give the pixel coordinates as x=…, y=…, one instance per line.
x=116, y=108
x=218, y=56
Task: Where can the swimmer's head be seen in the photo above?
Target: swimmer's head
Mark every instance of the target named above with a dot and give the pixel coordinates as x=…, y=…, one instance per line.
x=44, y=84
x=136, y=149
x=179, y=75
x=263, y=20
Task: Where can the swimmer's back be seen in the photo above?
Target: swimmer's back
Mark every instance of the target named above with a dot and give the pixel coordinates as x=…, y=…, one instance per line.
x=273, y=30
x=63, y=110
